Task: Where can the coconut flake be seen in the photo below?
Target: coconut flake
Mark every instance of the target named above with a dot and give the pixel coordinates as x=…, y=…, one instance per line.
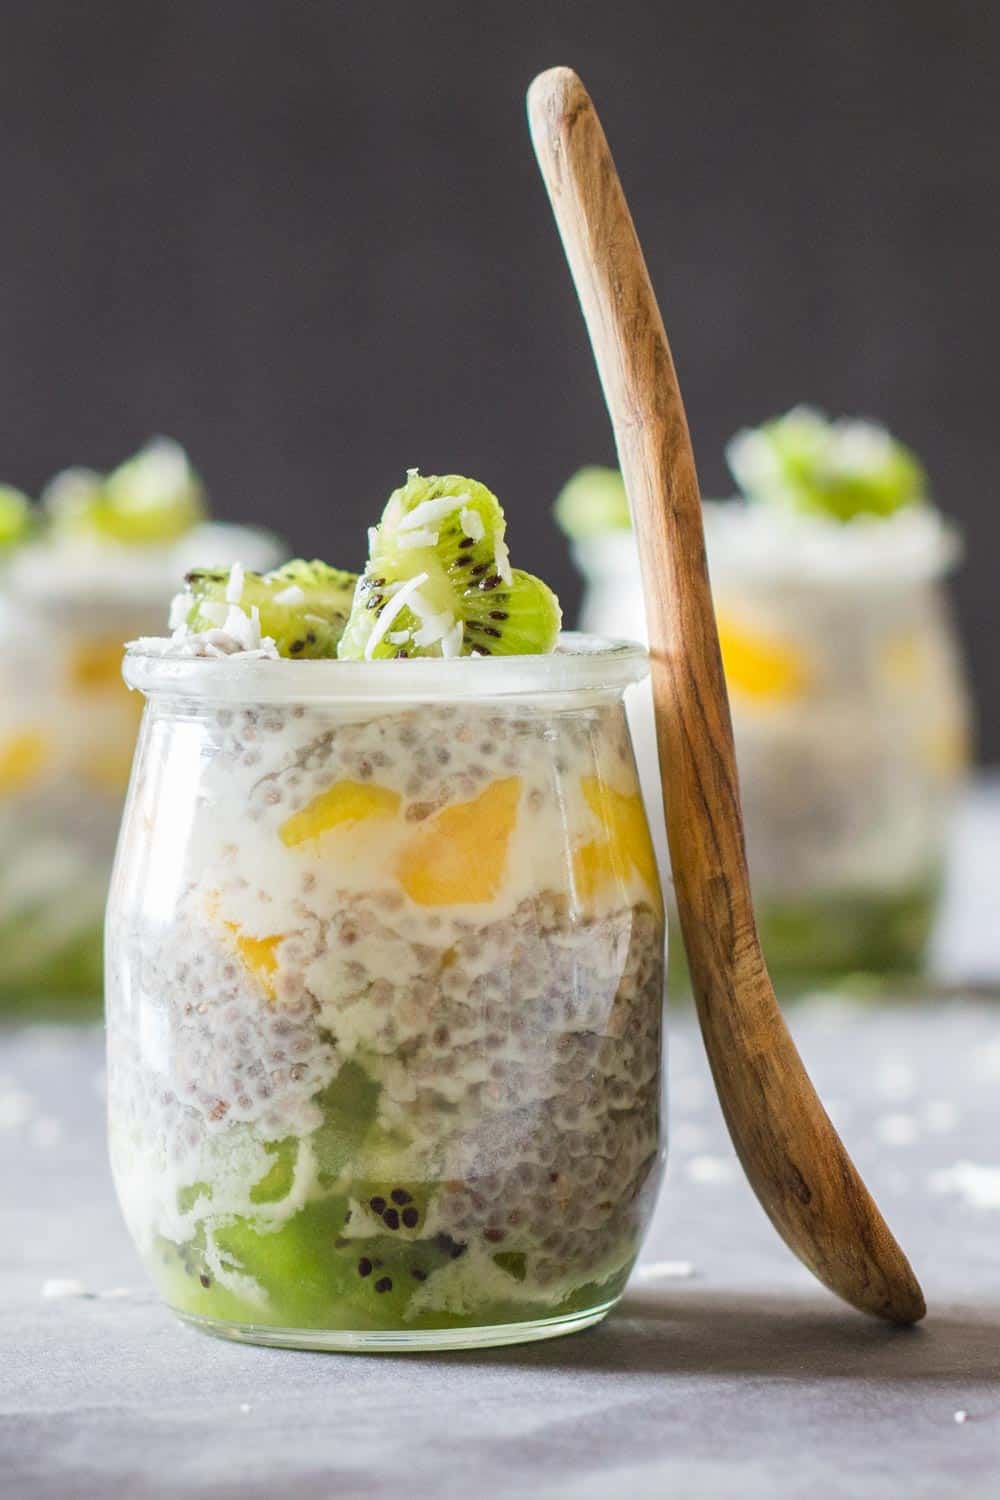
x=234, y=588
x=390, y=611
x=180, y=606
x=429, y=511
x=407, y=540
x=434, y=629
x=292, y=595
x=63, y=1286
x=472, y=524
x=214, y=611
x=451, y=644
x=501, y=556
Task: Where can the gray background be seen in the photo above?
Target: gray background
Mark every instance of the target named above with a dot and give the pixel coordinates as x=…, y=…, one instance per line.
x=308, y=239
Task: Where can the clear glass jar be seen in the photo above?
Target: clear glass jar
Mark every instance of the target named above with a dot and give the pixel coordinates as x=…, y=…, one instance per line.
x=851, y=719
x=67, y=732
x=385, y=980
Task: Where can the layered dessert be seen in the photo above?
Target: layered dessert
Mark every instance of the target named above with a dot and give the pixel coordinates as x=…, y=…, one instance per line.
x=849, y=705
x=386, y=950
x=91, y=566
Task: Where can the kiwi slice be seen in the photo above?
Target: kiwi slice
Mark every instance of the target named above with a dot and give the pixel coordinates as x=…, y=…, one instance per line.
x=439, y=581
x=593, y=503
x=303, y=606
x=154, y=497
x=15, y=516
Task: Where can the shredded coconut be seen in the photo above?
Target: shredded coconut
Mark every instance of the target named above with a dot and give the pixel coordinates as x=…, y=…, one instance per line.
x=408, y=540
x=62, y=1286
x=234, y=588
x=390, y=611
x=451, y=644
x=501, y=557
x=430, y=511
x=472, y=524
x=292, y=595
x=664, y=1270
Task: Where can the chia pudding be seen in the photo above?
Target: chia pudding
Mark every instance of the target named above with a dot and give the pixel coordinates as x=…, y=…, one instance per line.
x=384, y=991
x=70, y=596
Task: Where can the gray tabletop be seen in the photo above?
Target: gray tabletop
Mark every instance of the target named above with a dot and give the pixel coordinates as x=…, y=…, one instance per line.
x=724, y=1372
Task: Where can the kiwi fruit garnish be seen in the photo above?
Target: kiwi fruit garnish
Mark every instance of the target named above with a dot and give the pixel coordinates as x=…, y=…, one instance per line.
x=303, y=606
x=154, y=497
x=439, y=582
x=15, y=516
x=593, y=503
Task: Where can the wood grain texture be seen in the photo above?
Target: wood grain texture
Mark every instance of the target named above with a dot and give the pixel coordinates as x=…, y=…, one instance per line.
x=793, y=1157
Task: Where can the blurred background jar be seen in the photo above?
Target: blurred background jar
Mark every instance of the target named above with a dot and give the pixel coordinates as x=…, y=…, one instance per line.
x=850, y=707
x=94, y=565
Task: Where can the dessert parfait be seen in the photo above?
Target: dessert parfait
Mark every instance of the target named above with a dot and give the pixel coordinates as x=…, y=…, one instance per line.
x=849, y=704
x=385, y=950
x=91, y=566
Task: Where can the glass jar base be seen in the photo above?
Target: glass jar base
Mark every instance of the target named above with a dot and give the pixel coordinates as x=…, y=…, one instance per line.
x=398, y=1341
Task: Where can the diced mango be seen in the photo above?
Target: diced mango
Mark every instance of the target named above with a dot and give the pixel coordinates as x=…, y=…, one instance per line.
x=947, y=751
x=342, y=805
x=761, y=666
x=22, y=759
x=96, y=664
x=258, y=956
x=627, y=846
x=460, y=856
x=903, y=660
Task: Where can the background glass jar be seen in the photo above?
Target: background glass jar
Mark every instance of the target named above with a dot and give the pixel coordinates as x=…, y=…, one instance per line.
x=851, y=718
x=384, y=997
x=67, y=732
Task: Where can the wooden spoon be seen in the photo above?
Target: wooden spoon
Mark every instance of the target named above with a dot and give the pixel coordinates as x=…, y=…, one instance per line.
x=796, y=1163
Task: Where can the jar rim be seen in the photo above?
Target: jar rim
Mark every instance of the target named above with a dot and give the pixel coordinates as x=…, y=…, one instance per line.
x=580, y=664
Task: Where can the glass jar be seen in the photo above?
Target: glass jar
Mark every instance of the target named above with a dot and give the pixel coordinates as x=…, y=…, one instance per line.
x=385, y=980
x=850, y=715
x=67, y=731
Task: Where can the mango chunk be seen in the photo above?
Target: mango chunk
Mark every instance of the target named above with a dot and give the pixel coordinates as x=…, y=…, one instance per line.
x=761, y=666
x=258, y=956
x=627, y=846
x=460, y=856
x=22, y=759
x=342, y=805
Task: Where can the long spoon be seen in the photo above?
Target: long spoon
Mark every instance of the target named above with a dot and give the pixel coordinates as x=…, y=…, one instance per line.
x=796, y=1162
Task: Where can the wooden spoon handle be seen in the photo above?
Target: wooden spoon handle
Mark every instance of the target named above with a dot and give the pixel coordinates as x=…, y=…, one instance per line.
x=790, y=1151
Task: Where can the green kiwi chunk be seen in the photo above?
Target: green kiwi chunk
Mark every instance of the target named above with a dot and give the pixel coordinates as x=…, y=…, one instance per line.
x=153, y=497
x=593, y=503
x=439, y=581
x=303, y=606
x=15, y=516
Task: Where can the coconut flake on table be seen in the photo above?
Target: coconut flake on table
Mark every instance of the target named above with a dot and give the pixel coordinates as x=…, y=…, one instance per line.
x=63, y=1286
x=664, y=1270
